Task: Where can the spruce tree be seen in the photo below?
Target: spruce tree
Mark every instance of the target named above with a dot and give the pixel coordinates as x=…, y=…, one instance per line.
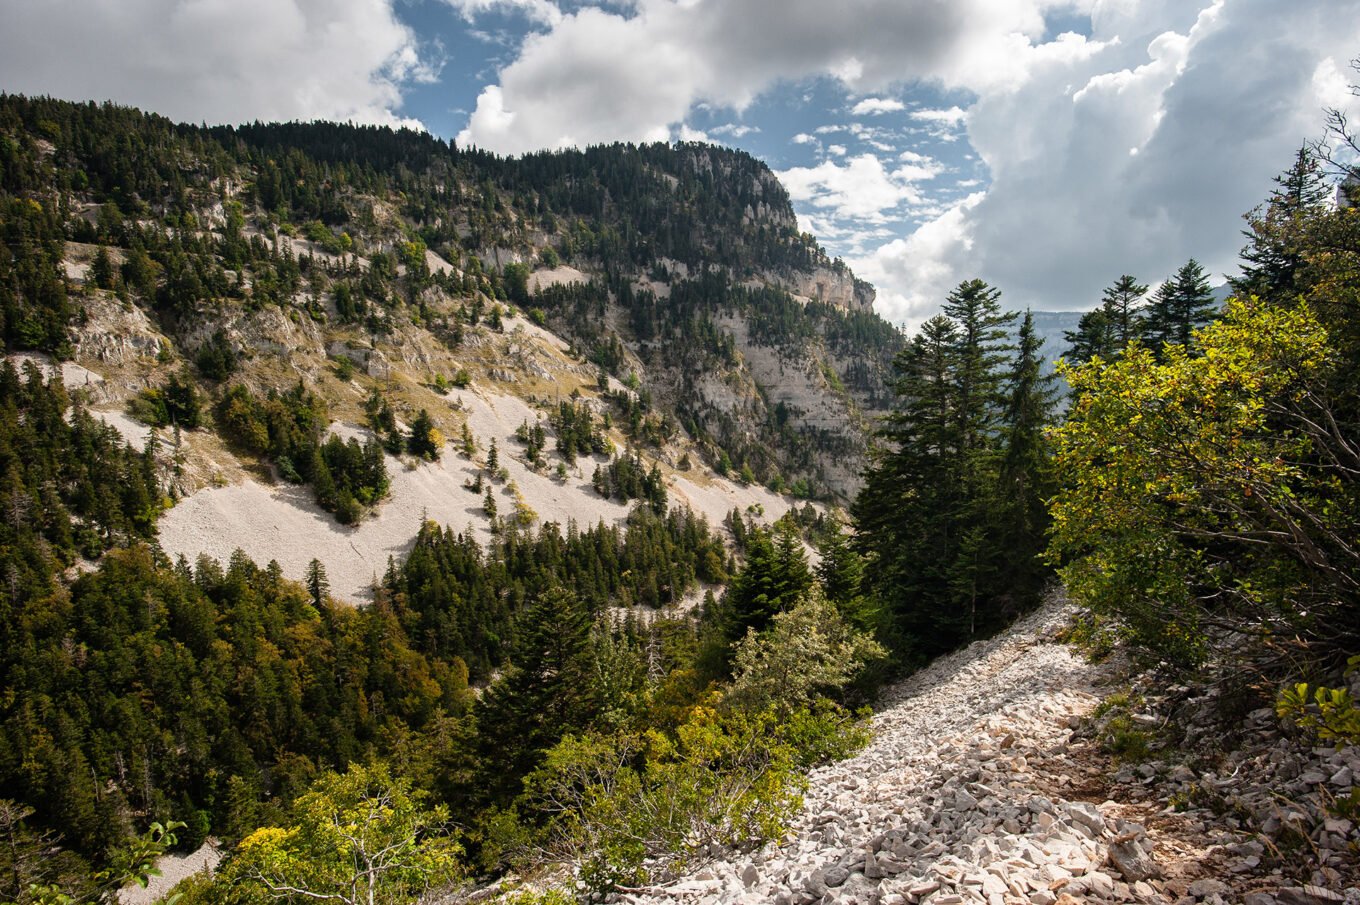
x=1092, y=337
x=548, y=691
x=982, y=344
x=317, y=584
x=935, y=518
x=1180, y=306
x=1026, y=479
x=1272, y=258
x=1121, y=304
x=905, y=515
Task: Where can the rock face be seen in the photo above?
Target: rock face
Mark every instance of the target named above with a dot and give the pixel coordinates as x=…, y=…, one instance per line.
x=825, y=284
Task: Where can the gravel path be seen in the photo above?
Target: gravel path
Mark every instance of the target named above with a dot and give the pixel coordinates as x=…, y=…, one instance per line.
x=946, y=806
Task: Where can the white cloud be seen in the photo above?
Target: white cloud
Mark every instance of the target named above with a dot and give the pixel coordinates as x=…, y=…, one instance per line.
x=216, y=60
x=598, y=75
x=802, y=138
x=1213, y=98
x=953, y=116
x=836, y=150
x=860, y=189
x=735, y=130
x=876, y=106
x=921, y=259
x=540, y=11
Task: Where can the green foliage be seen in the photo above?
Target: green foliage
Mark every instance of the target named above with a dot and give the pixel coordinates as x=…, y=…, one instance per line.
x=1328, y=714
x=774, y=577
x=1188, y=497
x=546, y=692
x=72, y=487
x=425, y=440
x=1274, y=261
x=175, y=403
x=216, y=359
x=1107, y=330
x=360, y=836
x=627, y=478
x=133, y=862
x=288, y=427
x=150, y=688
x=628, y=808
x=1117, y=731
x=808, y=653
x=536, y=897
x=34, y=309
x=951, y=516
x=578, y=434
x=1179, y=307
x=516, y=280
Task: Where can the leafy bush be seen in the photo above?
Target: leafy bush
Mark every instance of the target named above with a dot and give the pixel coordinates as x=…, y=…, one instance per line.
x=1191, y=501
x=1329, y=714
x=626, y=808
x=360, y=836
x=808, y=652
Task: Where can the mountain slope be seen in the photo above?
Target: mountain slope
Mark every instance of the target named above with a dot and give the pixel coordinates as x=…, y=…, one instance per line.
x=664, y=287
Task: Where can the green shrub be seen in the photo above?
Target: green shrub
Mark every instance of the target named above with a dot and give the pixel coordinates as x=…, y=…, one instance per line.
x=1328, y=714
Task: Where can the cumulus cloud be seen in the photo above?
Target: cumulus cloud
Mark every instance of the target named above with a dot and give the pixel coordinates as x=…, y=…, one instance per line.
x=1211, y=108
x=950, y=117
x=735, y=130
x=861, y=188
x=540, y=11
x=216, y=60
x=876, y=106
x=925, y=258
x=600, y=75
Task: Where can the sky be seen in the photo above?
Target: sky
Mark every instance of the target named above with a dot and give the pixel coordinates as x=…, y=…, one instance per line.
x=1046, y=146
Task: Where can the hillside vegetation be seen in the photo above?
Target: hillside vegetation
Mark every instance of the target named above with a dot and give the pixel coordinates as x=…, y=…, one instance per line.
x=562, y=431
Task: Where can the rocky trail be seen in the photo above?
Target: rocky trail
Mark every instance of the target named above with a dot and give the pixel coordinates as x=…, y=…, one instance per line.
x=980, y=787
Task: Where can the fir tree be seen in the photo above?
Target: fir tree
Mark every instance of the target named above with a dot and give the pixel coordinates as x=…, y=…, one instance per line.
x=1092, y=338
x=1272, y=258
x=548, y=691
x=1121, y=304
x=1180, y=305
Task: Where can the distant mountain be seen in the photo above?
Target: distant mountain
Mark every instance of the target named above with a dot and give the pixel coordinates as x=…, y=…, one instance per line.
x=1051, y=325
